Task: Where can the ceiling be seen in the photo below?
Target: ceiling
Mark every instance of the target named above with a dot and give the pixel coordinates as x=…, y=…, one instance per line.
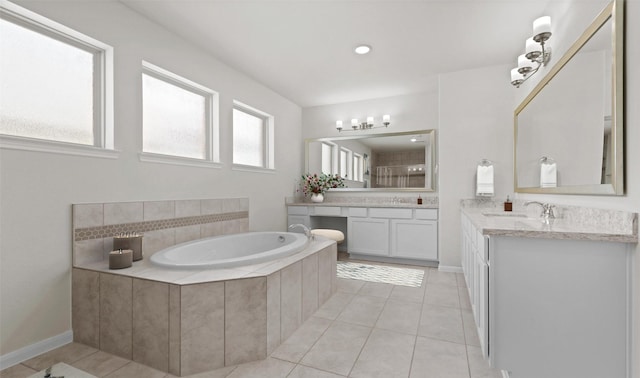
x=303, y=49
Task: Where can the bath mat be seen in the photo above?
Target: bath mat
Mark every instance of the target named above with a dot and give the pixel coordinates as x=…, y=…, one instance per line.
x=380, y=273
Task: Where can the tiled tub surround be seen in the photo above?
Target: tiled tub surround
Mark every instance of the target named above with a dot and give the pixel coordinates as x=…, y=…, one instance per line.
x=189, y=321
x=163, y=223
x=571, y=222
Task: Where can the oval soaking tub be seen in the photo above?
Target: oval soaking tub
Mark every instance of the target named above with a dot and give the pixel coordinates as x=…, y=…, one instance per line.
x=231, y=250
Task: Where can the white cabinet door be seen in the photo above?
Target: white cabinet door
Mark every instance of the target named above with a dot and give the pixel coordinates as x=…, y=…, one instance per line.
x=368, y=236
x=414, y=239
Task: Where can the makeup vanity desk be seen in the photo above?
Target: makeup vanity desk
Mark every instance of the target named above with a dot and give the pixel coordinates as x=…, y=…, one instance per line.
x=380, y=231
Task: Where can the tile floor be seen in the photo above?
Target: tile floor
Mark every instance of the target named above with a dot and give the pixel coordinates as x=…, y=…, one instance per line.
x=365, y=330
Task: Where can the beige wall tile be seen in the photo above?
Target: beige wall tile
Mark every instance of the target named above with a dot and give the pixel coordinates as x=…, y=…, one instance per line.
x=174, y=329
x=156, y=210
x=187, y=233
x=187, y=208
x=123, y=212
x=309, y=286
x=273, y=312
x=85, y=307
x=325, y=270
x=231, y=205
x=151, y=323
x=88, y=251
x=211, y=206
x=211, y=229
x=291, y=300
x=153, y=241
x=202, y=327
x=88, y=215
x=245, y=320
x=115, y=314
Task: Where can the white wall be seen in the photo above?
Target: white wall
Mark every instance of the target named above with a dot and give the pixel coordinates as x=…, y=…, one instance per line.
x=476, y=122
x=572, y=18
x=37, y=189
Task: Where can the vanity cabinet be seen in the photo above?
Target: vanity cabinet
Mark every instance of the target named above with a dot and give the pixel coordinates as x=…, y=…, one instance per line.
x=548, y=305
x=369, y=236
x=381, y=232
x=475, y=265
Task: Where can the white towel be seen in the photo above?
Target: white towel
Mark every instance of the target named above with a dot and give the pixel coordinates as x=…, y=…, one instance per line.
x=484, y=180
x=548, y=175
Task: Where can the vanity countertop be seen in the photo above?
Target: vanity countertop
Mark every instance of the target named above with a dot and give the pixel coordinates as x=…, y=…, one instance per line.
x=571, y=223
x=402, y=205
x=402, y=202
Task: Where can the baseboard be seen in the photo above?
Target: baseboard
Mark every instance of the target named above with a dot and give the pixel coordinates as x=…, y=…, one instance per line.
x=30, y=351
x=450, y=269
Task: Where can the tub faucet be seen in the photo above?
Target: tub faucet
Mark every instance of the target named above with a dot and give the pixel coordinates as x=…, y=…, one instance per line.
x=547, y=209
x=307, y=230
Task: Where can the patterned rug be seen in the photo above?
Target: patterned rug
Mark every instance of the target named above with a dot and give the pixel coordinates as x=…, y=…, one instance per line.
x=380, y=273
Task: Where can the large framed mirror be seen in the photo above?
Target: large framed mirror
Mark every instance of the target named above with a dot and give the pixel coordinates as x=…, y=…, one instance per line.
x=403, y=161
x=569, y=130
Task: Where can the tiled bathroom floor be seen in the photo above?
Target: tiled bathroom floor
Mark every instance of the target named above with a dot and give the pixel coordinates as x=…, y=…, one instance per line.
x=365, y=330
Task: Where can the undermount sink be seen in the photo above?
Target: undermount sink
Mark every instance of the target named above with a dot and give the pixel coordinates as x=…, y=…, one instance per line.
x=506, y=214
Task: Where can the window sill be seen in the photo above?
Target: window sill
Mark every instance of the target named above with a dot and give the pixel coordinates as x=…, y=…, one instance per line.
x=251, y=168
x=11, y=142
x=149, y=157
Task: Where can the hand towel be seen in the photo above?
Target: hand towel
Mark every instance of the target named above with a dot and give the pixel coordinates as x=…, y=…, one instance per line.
x=484, y=180
x=548, y=175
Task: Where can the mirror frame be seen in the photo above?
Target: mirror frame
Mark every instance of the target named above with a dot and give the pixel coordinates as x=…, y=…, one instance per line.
x=614, y=11
x=432, y=155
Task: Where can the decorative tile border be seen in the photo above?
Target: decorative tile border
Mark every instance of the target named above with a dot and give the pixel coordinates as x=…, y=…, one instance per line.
x=111, y=230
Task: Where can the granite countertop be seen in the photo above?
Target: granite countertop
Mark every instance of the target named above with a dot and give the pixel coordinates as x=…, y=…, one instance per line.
x=572, y=223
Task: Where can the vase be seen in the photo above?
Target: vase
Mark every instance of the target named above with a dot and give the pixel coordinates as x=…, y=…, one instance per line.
x=317, y=197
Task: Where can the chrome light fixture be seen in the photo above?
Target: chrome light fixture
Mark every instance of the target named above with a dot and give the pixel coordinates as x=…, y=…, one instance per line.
x=535, y=52
x=366, y=125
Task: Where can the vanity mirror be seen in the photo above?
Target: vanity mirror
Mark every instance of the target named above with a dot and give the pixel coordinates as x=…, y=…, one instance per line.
x=569, y=129
x=402, y=161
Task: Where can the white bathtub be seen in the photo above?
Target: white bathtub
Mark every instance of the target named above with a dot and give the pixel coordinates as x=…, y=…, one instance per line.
x=231, y=250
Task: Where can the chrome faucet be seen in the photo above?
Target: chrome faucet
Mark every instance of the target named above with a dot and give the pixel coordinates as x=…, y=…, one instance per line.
x=307, y=230
x=547, y=209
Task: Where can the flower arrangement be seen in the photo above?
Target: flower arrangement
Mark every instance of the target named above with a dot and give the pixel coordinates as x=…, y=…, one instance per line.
x=319, y=184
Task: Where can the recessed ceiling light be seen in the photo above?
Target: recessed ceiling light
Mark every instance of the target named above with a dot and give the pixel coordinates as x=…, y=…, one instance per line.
x=362, y=49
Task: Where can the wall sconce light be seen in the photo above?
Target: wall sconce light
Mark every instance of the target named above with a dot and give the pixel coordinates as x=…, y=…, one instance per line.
x=366, y=125
x=535, y=52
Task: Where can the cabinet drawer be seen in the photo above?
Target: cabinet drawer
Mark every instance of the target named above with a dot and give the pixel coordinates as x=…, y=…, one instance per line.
x=428, y=214
x=357, y=211
x=390, y=213
x=297, y=210
x=330, y=211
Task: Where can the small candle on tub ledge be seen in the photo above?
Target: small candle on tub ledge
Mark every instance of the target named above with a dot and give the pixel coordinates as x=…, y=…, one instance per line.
x=120, y=259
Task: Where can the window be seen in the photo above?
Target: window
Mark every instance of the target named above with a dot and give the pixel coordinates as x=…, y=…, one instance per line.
x=177, y=116
x=252, y=137
x=327, y=158
x=357, y=167
x=55, y=83
x=344, y=163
